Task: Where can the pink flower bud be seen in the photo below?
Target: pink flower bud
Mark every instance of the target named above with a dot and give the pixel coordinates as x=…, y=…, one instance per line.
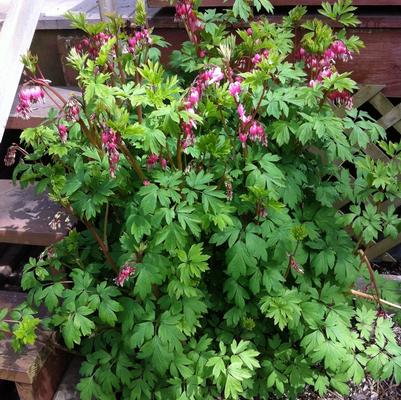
x=216, y=75
x=235, y=89
x=241, y=111
x=194, y=96
x=253, y=130
x=242, y=137
x=125, y=273
x=256, y=59
x=63, y=132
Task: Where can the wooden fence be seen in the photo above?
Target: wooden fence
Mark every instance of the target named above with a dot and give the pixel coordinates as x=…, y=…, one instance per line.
x=390, y=118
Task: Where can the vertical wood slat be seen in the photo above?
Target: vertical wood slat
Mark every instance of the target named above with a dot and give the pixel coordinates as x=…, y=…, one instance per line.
x=15, y=39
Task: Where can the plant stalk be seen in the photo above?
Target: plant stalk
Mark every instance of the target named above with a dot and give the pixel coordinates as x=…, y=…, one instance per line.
x=101, y=244
x=365, y=260
x=132, y=161
x=373, y=298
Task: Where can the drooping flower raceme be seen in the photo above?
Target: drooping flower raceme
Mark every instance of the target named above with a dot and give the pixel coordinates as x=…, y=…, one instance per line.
x=323, y=66
x=93, y=44
x=249, y=128
x=212, y=76
x=258, y=57
x=63, y=132
x=27, y=96
x=343, y=98
x=153, y=159
x=140, y=38
x=72, y=109
x=185, y=13
x=9, y=158
x=125, y=273
x=110, y=141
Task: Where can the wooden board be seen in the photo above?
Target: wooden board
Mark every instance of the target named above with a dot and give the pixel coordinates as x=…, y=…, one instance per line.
x=15, y=39
x=24, y=366
x=27, y=218
x=39, y=112
x=53, y=11
x=37, y=369
x=379, y=63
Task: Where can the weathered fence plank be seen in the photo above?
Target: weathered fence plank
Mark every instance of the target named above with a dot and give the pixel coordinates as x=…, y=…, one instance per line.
x=15, y=39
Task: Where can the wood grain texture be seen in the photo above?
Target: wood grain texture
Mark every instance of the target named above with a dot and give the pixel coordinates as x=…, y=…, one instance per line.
x=28, y=218
x=379, y=63
x=15, y=39
x=37, y=369
x=382, y=104
x=382, y=247
x=24, y=366
x=365, y=93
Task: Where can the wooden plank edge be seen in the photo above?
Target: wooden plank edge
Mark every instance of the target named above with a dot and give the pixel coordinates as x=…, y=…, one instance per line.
x=382, y=247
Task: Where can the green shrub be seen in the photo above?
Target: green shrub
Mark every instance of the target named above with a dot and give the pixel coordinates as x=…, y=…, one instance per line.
x=210, y=260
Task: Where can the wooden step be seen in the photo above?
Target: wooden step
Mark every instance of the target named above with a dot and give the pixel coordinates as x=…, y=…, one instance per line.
x=40, y=110
x=37, y=369
x=28, y=218
x=67, y=390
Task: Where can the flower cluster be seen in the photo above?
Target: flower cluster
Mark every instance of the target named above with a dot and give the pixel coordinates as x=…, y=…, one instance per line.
x=185, y=13
x=125, y=273
x=63, y=132
x=249, y=128
x=110, y=141
x=141, y=37
x=343, y=98
x=258, y=57
x=204, y=79
x=152, y=160
x=93, y=44
x=323, y=66
x=72, y=109
x=27, y=96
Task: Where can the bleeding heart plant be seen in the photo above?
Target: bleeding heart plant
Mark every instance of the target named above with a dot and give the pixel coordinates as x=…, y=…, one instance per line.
x=211, y=260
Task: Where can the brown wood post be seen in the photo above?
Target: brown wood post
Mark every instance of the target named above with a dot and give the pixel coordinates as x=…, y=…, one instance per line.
x=25, y=391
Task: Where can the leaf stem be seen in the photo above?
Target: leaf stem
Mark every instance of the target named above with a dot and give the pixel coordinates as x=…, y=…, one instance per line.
x=179, y=154
x=365, y=260
x=260, y=100
x=132, y=161
x=101, y=244
x=106, y=218
x=370, y=297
